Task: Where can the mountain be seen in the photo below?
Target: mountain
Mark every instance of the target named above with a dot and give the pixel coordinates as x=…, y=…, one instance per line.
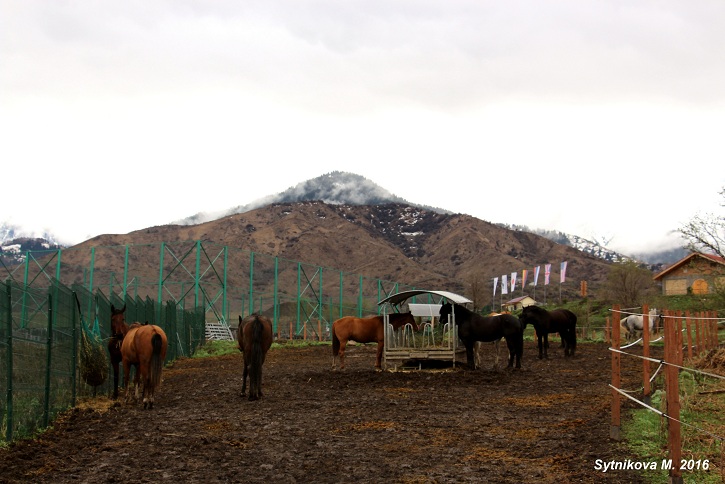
x=334, y=188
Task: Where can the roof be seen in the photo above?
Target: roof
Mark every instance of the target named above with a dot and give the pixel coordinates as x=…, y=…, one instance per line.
x=403, y=296
x=519, y=299
x=711, y=257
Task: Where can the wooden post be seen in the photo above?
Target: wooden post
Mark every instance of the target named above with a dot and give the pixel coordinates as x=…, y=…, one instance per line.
x=689, y=335
x=673, y=401
x=698, y=333
x=645, y=352
x=713, y=316
x=614, y=429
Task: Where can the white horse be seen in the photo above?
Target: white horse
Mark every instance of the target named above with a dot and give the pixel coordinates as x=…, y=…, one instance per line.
x=634, y=323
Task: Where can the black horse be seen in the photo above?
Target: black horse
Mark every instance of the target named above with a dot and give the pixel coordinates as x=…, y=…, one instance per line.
x=560, y=321
x=473, y=327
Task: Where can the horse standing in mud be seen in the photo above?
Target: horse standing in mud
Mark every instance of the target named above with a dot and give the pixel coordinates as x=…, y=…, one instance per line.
x=118, y=331
x=144, y=346
x=254, y=336
x=473, y=327
x=560, y=321
x=365, y=330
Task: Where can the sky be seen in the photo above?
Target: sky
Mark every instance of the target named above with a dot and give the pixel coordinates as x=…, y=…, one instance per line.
x=602, y=119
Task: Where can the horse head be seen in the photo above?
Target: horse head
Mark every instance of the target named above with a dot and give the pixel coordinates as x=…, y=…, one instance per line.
x=445, y=311
x=401, y=319
x=118, y=322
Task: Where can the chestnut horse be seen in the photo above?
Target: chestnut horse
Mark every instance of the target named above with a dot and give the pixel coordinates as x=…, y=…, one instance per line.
x=254, y=336
x=144, y=346
x=365, y=330
x=118, y=331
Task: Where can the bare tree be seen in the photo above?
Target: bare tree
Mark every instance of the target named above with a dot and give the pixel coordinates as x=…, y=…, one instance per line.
x=478, y=288
x=629, y=284
x=706, y=233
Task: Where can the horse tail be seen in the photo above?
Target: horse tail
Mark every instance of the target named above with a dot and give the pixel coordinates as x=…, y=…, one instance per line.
x=156, y=361
x=256, y=357
x=335, y=342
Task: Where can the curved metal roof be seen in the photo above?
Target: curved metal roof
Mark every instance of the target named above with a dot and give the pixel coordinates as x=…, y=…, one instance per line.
x=402, y=296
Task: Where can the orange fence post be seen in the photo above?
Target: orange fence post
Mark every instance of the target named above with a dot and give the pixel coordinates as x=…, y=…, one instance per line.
x=689, y=335
x=645, y=352
x=616, y=378
x=673, y=399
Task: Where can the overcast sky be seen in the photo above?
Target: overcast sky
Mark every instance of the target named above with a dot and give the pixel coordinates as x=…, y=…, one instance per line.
x=599, y=118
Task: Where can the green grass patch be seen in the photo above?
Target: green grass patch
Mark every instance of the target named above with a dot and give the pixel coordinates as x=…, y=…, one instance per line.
x=219, y=348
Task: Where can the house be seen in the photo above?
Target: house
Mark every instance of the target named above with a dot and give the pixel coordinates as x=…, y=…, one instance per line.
x=698, y=273
x=518, y=303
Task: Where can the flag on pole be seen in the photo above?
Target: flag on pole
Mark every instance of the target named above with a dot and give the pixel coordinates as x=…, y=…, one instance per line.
x=524, y=275
x=547, y=273
x=513, y=282
x=536, y=275
x=504, y=285
x=563, y=271
x=495, y=283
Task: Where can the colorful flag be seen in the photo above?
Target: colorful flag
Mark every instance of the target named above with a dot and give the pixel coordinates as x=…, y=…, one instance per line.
x=504, y=285
x=524, y=275
x=513, y=282
x=495, y=283
x=547, y=273
x=563, y=271
x=536, y=275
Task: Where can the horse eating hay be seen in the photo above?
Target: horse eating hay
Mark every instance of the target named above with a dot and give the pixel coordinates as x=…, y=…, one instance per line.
x=560, y=321
x=254, y=336
x=365, y=330
x=144, y=346
x=473, y=327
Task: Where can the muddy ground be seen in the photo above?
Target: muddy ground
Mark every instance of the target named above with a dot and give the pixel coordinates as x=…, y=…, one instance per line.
x=548, y=422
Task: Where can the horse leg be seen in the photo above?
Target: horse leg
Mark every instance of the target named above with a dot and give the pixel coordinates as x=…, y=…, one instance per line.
x=540, y=344
x=512, y=351
x=469, y=355
x=341, y=354
x=496, y=347
x=244, y=376
x=379, y=358
x=546, y=345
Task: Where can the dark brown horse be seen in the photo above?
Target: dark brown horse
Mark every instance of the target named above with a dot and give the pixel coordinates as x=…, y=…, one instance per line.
x=118, y=331
x=560, y=321
x=473, y=327
x=365, y=330
x=144, y=346
x=254, y=336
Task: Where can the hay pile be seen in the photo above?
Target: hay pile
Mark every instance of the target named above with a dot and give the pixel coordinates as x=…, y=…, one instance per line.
x=713, y=362
x=94, y=364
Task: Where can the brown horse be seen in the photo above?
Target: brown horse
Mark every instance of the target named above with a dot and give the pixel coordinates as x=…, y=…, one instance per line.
x=365, y=330
x=144, y=346
x=254, y=336
x=118, y=331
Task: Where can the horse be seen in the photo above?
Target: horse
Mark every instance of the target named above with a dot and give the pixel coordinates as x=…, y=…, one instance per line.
x=144, y=346
x=560, y=321
x=635, y=323
x=473, y=327
x=365, y=330
x=118, y=331
x=477, y=348
x=254, y=335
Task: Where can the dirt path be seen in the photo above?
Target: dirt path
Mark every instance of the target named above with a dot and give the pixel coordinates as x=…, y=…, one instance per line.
x=548, y=422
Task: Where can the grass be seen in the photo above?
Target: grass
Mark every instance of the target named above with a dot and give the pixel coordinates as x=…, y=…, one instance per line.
x=219, y=348
x=702, y=399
